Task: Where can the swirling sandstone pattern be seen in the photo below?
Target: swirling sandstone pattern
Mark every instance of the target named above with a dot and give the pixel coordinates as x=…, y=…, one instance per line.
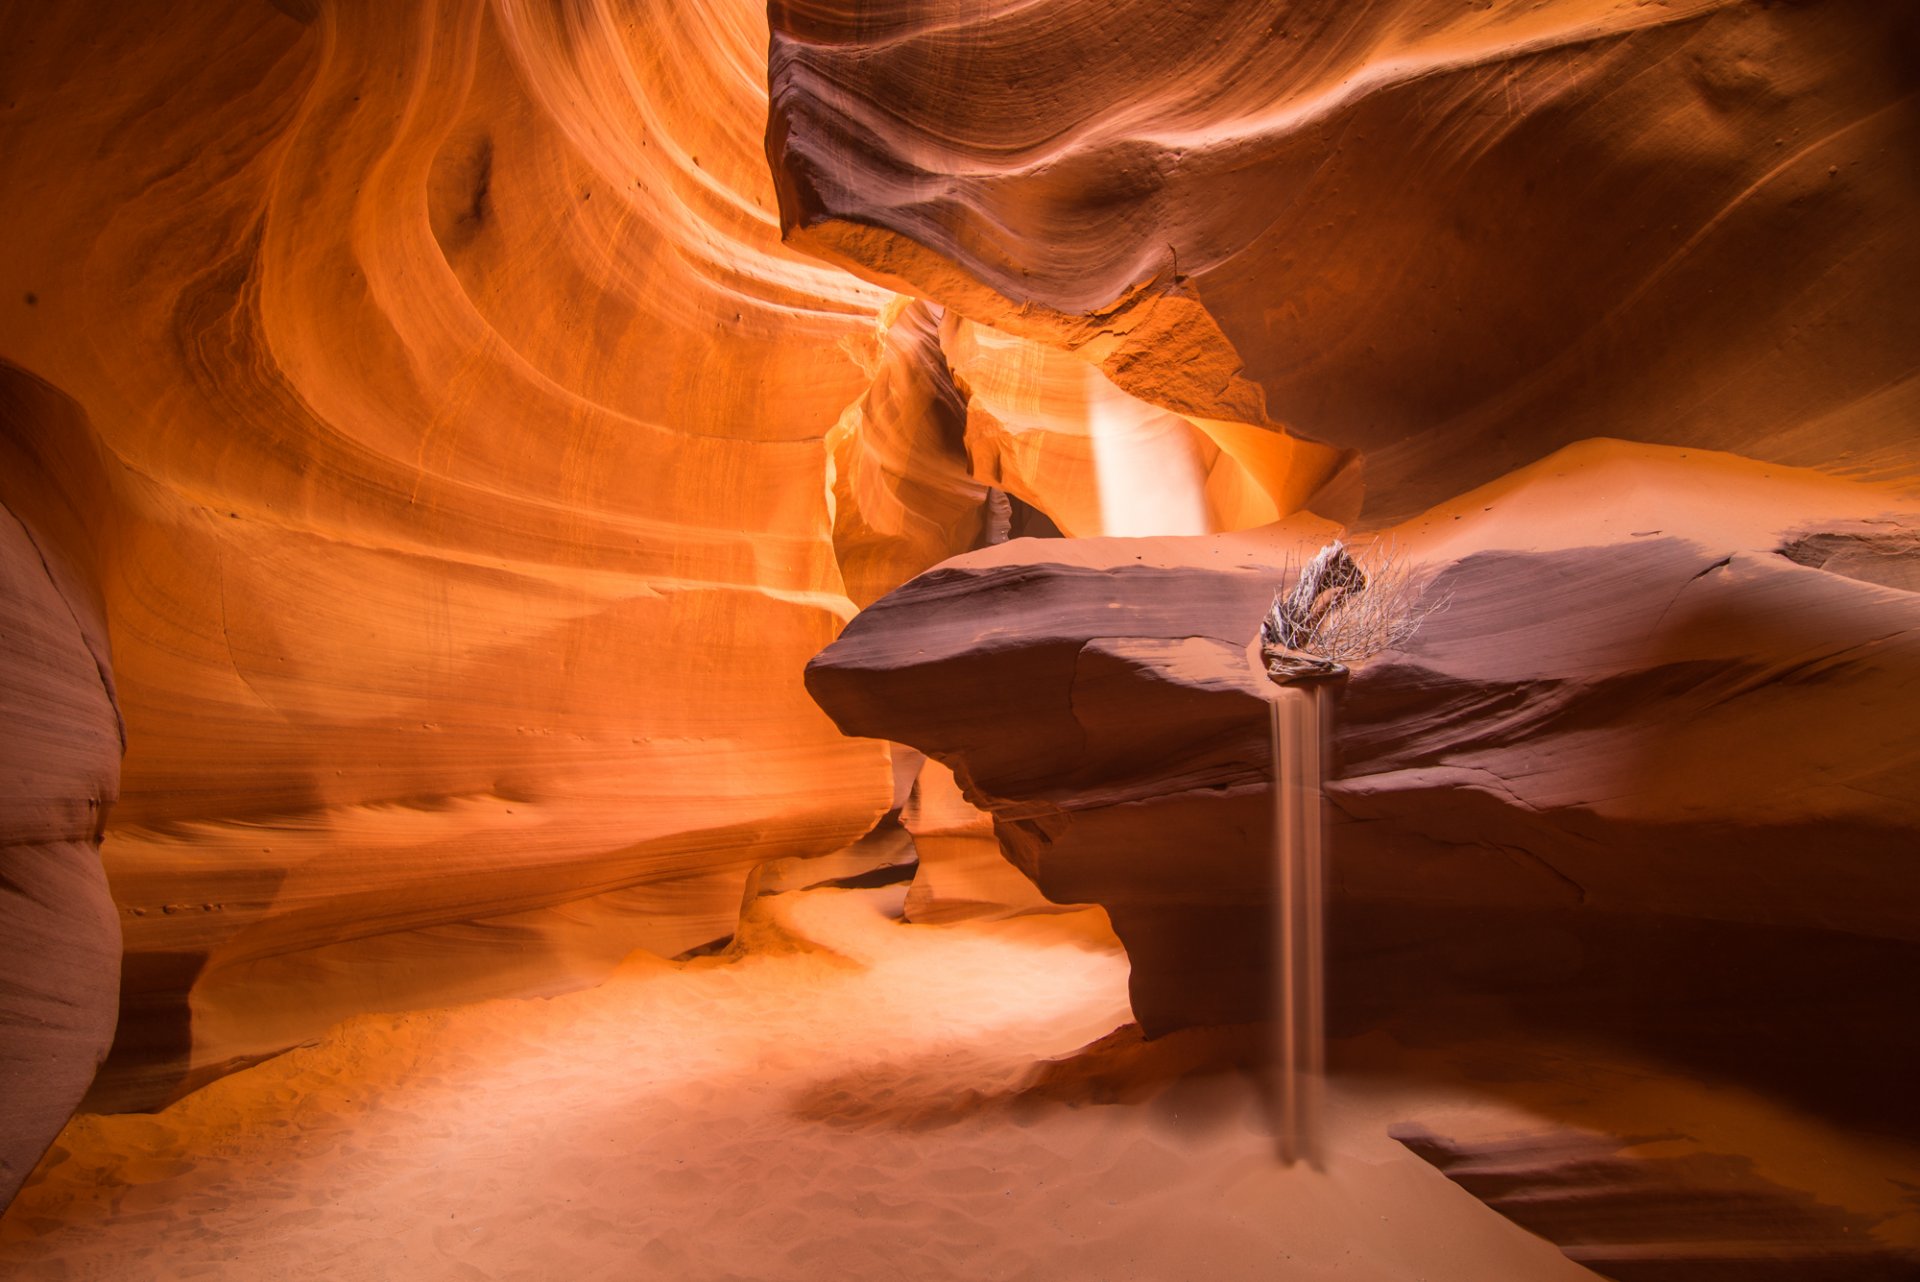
x=422, y=399
x=1649, y=781
x=1453, y=236
x=461, y=510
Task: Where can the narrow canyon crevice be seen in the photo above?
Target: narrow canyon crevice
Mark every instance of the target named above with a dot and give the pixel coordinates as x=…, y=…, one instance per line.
x=506, y=496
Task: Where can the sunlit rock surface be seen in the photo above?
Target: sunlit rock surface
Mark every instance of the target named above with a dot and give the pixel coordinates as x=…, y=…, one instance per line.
x=1647, y=779
x=460, y=497
x=962, y=872
x=903, y=488
x=1453, y=236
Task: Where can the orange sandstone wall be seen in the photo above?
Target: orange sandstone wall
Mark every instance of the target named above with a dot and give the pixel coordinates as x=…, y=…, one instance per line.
x=460, y=510
x=462, y=468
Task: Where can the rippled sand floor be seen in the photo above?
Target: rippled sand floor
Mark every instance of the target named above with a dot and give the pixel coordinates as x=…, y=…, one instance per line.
x=844, y=1096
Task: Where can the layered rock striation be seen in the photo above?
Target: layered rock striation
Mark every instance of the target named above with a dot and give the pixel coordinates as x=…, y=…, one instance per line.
x=59, y=774
x=459, y=423
x=1626, y=703
x=1479, y=249
x=1453, y=237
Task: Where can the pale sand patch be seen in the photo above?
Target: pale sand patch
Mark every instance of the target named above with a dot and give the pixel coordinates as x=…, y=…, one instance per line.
x=840, y=1098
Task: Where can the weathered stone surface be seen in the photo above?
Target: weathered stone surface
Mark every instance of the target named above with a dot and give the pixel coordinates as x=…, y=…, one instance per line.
x=905, y=495
x=424, y=400
x=1672, y=720
x=962, y=873
x=1454, y=237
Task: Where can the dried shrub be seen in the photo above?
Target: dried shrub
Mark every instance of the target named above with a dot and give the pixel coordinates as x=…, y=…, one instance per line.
x=1343, y=609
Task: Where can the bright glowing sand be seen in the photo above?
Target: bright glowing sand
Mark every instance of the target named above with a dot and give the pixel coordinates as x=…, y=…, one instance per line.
x=845, y=1097
x=838, y=1102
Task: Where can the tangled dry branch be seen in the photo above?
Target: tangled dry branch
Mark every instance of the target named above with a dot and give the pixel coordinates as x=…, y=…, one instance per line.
x=1340, y=611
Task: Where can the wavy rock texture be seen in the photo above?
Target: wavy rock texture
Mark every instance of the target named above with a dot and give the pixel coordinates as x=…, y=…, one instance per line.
x=461, y=518
x=1647, y=784
x=903, y=488
x=968, y=436
x=424, y=400
x=1055, y=431
x=1455, y=237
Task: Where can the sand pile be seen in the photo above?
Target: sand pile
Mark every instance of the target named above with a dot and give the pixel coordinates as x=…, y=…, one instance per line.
x=841, y=1098
x=848, y=1096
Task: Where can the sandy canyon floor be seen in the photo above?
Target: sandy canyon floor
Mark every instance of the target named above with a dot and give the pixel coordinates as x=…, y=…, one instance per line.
x=842, y=1095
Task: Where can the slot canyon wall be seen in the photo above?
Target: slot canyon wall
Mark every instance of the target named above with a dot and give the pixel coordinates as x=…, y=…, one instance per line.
x=418, y=434
x=438, y=436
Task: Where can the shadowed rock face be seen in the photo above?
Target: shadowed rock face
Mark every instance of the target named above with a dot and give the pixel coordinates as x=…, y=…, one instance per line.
x=1695, y=1217
x=1644, y=785
x=458, y=492
x=1455, y=237
x=59, y=772
x=1682, y=725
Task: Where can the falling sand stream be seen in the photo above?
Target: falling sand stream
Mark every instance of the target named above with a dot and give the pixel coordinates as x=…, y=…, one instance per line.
x=1332, y=616
x=1299, y=1051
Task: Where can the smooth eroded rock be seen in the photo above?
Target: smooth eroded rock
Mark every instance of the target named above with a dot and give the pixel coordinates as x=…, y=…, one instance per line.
x=1675, y=722
x=461, y=423
x=1454, y=237
x=59, y=774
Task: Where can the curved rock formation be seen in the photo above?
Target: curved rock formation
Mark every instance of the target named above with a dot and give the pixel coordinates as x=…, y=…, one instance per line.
x=1648, y=781
x=1456, y=237
x=463, y=530
x=903, y=488
x=962, y=872
x=446, y=414
x=1054, y=430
